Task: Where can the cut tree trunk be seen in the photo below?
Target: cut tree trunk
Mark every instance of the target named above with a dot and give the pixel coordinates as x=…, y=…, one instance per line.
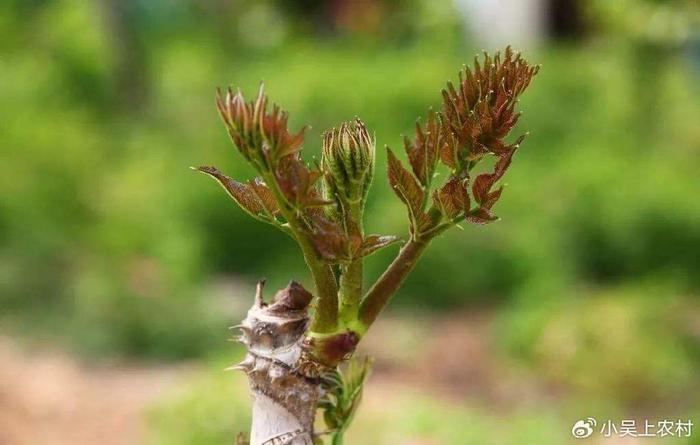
x=284, y=380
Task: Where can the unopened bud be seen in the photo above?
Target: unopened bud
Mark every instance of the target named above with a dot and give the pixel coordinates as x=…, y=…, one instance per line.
x=348, y=157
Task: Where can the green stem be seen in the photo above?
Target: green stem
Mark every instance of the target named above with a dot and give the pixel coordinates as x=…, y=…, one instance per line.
x=337, y=438
x=326, y=317
x=350, y=289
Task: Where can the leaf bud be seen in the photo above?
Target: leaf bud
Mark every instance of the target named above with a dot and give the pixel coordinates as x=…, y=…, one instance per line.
x=348, y=160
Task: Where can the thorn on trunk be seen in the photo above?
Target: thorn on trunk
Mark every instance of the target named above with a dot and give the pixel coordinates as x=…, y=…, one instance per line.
x=244, y=329
x=245, y=365
x=241, y=339
x=258, y=293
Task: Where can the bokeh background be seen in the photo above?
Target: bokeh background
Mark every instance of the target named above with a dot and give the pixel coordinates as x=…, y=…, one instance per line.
x=120, y=269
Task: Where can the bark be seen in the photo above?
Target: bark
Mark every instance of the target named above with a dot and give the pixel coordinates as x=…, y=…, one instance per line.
x=283, y=378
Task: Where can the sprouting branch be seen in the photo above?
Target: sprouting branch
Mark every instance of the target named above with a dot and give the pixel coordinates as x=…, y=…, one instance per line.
x=285, y=193
x=322, y=208
x=390, y=281
x=348, y=161
x=475, y=118
x=326, y=316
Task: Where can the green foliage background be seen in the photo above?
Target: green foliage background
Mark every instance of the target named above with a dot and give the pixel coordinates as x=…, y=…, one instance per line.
x=111, y=245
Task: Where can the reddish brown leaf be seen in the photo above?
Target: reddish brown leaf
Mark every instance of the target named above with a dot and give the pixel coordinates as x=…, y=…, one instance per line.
x=333, y=242
x=298, y=183
x=424, y=151
x=416, y=157
x=264, y=195
x=424, y=222
x=254, y=199
x=492, y=197
x=480, y=109
x=482, y=216
x=504, y=162
x=481, y=189
x=482, y=185
x=448, y=153
x=452, y=198
x=406, y=187
x=256, y=131
x=353, y=238
x=372, y=243
x=329, y=240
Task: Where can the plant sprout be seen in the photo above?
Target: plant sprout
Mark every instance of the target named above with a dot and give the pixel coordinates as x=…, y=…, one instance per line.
x=297, y=342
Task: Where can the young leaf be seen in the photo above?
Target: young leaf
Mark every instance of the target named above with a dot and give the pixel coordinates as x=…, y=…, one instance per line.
x=343, y=395
x=449, y=151
x=265, y=196
x=480, y=110
x=408, y=190
x=492, y=197
x=424, y=151
x=481, y=216
x=481, y=189
x=372, y=243
x=274, y=128
x=298, y=184
x=482, y=185
x=261, y=136
x=452, y=198
x=333, y=242
x=253, y=197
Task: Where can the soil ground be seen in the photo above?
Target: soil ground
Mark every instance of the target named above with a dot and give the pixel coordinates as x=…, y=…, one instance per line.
x=48, y=397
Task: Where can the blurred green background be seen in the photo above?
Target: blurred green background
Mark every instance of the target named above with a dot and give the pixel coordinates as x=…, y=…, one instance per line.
x=585, y=293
